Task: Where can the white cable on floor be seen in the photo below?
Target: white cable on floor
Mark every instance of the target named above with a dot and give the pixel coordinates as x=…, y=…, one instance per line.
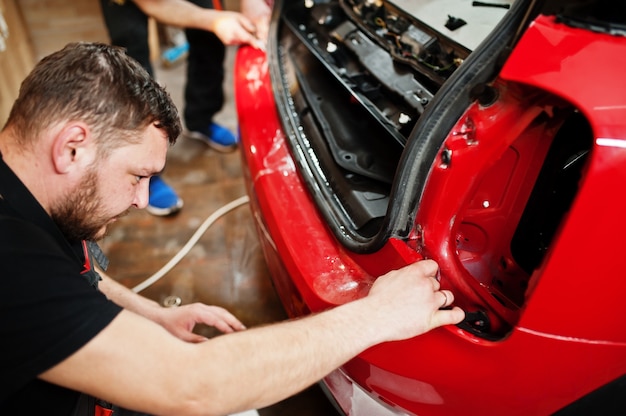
x=192, y=241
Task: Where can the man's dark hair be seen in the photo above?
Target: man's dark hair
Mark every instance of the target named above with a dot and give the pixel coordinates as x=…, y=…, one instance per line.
x=98, y=84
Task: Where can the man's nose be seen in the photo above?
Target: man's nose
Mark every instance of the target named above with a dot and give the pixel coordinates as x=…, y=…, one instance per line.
x=143, y=194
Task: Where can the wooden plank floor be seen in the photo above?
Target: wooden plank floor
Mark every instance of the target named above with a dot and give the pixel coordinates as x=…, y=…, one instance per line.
x=226, y=266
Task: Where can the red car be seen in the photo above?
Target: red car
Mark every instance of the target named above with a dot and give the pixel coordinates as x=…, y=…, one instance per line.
x=372, y=138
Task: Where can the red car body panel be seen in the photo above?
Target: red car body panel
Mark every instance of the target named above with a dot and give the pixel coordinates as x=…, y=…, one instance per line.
x=566, y=336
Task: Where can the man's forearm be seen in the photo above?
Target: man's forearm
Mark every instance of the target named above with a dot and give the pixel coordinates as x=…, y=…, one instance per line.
x=281, y=360
x=251, y=369
x=179, y=13
x=127, y=299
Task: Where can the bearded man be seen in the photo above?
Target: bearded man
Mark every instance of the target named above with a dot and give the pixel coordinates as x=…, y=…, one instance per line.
x=90, y=122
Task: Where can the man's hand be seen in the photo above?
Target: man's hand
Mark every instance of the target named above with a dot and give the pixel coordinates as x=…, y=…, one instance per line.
x=408, y=301
x=180, y=321
x=259, y=12
x=234, y=28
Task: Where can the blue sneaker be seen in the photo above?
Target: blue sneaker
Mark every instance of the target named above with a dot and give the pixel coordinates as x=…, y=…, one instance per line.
x=217, y=137
x=163, y=200
x=175, y=55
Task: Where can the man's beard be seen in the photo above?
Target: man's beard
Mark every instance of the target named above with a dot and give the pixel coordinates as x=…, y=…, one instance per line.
x=77, y=215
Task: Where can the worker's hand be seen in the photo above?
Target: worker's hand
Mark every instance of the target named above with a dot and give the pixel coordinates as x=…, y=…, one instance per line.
x=234, y=28
x=181, y=320
x=407, y=302
x=259, y=12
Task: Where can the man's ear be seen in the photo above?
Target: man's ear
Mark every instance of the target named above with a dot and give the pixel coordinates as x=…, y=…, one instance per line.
x=69, y=145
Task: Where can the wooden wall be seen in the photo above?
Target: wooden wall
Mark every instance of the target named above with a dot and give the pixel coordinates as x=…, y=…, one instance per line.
x=54, y=23
x=16, y=57
x=37, y=28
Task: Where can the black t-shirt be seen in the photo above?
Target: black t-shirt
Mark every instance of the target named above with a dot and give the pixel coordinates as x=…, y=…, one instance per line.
x=49, y=309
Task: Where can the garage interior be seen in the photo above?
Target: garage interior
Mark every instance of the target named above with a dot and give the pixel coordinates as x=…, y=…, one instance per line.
x=225, y=266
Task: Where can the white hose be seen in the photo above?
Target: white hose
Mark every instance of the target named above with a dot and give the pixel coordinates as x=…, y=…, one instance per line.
x=192, y=241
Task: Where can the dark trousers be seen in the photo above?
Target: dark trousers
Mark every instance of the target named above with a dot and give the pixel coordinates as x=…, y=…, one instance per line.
x=204, y=94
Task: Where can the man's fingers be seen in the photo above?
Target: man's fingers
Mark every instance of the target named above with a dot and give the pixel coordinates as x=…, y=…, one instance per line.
x=234, y=323
x=248, y=25
x=195, y=338
x=228, y=319
x=448, y=298
x=448, y=317
x=428, y=267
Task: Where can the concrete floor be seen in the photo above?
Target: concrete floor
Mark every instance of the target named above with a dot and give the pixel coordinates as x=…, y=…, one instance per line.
x=226, y=266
